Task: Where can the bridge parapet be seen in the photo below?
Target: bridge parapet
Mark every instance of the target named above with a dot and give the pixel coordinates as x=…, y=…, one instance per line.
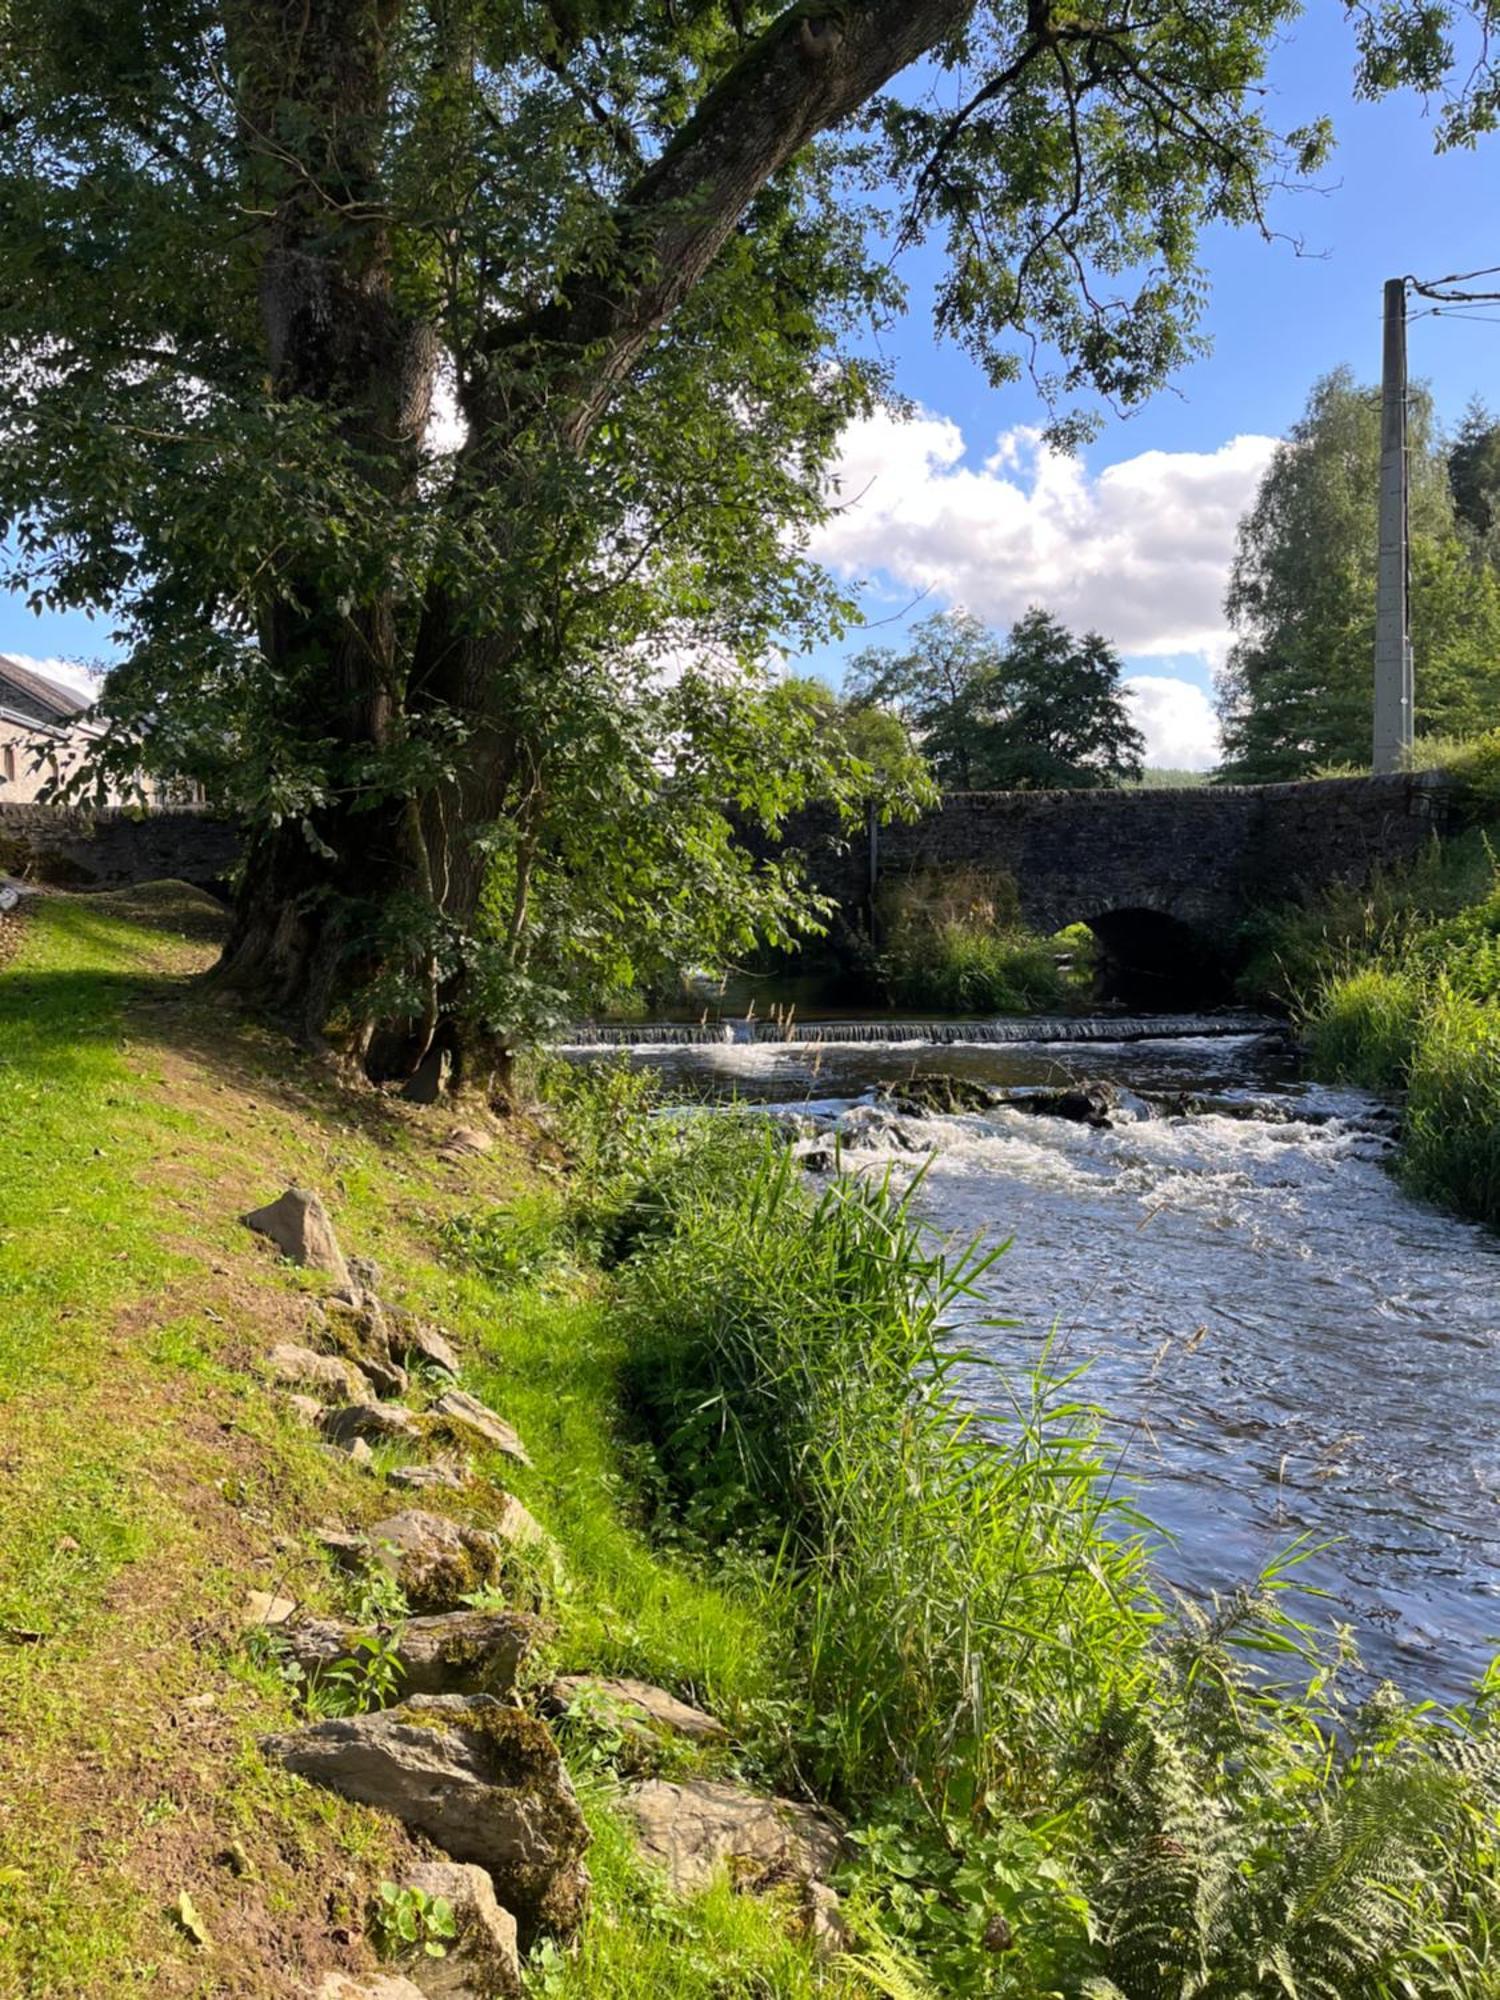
x=1203, y=855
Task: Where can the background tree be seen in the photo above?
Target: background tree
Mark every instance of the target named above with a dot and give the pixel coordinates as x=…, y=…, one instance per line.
x=1474, y=476
x=1065, y=720
x=243, y=241
x=891, y=769
x=941, y=685
x=1297, y=689
x=1040, y=708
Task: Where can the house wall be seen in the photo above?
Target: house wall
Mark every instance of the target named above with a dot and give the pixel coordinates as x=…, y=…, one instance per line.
x=21, y=779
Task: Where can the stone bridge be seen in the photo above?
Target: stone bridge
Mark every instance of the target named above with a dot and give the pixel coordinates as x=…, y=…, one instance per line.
x=1153, y=873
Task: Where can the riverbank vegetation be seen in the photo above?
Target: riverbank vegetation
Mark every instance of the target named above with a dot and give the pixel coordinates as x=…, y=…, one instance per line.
x=953, y=942
x=760, y=1452
x=1397, y=986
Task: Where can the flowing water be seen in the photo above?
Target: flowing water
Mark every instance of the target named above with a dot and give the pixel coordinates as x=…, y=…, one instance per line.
x=1286, y=1343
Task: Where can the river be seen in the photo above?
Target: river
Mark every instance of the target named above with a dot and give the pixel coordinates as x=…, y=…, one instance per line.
x=1286, y=1344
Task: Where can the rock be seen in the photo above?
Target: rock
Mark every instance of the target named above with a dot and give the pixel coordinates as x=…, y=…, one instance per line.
x=419, y=1341
x=297, y=1223
x=441, y=1477
x=264, y=1607
x=306, y=1409
x=359, y=1330
x=364, y=1275
x=692, y=1828
x=814, y=1157
x=329, y=1374
x=380, y=1986
x=359, y=1451
x=480, y=1780
x=923, y=1096
x=463, y=1652
x=349, y=1551
x=482, y=1962
x=1085, y=1104
x=386, y=1378
x=638, y=1701
x=827, y=1932
x=436, y=1561
x=521, y=1529
x=376, y=1423
x=465, y=1416
x=465, y=1142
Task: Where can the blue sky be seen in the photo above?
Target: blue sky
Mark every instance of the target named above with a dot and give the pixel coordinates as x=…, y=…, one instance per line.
x=1387, y=206
x=1135, y=538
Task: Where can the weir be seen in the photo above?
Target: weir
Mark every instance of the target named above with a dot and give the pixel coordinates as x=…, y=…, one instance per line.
x=1018, y=1028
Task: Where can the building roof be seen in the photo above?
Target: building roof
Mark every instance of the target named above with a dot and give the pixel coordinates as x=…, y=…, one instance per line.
x=55, y=701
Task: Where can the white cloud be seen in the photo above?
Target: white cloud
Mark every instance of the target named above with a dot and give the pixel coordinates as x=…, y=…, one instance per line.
x=1177, y=720
x=69, y=673
x=1139, y=550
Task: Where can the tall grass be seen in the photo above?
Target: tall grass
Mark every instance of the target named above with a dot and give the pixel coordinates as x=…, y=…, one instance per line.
x=962, y=1587
x=1366, y=1026
x=1056, y=1786
x=1451, y=1151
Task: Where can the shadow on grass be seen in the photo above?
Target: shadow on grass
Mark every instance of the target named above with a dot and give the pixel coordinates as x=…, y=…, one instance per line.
x=136, y=966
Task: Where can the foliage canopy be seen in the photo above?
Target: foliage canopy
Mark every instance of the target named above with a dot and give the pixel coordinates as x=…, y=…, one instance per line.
x=245, y=247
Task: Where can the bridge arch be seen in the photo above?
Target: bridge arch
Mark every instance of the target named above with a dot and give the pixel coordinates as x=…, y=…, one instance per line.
x=1148, y=958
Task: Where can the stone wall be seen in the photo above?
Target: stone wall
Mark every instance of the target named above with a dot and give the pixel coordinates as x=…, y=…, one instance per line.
x=109, y=848
x=1203, y=855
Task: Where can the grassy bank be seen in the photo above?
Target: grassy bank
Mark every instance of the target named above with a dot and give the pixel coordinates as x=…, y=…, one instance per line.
x=1397, y=987
x=740, y=1396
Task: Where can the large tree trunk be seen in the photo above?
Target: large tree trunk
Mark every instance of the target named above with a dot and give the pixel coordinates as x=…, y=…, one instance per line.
x=306, y=931
x=314, y=89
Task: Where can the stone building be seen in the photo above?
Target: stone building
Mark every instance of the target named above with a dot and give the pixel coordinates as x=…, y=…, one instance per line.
x=42, y=731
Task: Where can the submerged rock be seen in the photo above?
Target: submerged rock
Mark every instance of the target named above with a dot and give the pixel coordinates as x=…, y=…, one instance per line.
x=461, y=1652
x=1083, y=1103
x=922, y=1096
x=639, y=1703
x=297, y=1223
x=481, y=1962
x=692, y=1828
x=480, y=1780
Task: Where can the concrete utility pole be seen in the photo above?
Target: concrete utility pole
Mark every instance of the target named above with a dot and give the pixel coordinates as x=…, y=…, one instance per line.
x=1393, y=664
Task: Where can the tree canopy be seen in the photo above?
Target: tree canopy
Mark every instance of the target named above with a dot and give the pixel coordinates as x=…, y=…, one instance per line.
x=247, y=245
x=1296, y=691
x=1040, y=708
